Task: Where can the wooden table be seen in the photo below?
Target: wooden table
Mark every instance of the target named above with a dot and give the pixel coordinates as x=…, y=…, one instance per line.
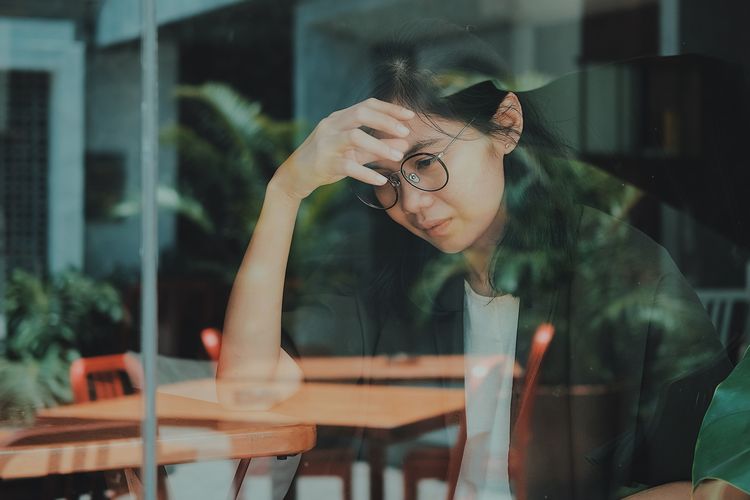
x=389, y=368
x=64, y=445
x=385, y=414
x=91, y=437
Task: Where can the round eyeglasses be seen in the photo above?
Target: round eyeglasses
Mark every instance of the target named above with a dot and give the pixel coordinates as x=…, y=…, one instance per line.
x=424, y=171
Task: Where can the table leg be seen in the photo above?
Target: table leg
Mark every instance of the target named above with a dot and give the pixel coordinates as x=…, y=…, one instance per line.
x=377, y=465
x=135, y=485
x=239, y=477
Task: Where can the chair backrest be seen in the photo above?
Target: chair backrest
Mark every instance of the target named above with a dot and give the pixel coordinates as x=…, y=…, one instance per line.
x=522, y=429
x=721, y=306
x=211, y=339
x=103, y=377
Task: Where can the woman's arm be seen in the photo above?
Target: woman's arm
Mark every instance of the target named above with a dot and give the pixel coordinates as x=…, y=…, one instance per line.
x=707, y=490
x=671, y=491
x=252, y=363
x=717, y=489
x=251, y=344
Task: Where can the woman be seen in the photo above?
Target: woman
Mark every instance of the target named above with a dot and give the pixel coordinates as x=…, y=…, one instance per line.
x=490, y=242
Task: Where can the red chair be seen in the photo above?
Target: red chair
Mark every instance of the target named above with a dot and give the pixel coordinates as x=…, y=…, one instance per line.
x=211, y=339
x=322, y=462
x=106, y=377
x=522, y=430
x=442, y=463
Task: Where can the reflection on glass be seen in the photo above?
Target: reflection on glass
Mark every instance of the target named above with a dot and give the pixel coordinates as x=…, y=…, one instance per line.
x=586, y=182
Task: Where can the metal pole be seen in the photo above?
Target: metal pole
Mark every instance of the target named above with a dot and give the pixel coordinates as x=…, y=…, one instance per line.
x=3, y=327
x=149, y=166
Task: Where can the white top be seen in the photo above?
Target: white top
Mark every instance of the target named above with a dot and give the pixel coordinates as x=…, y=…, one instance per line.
x=490, y=329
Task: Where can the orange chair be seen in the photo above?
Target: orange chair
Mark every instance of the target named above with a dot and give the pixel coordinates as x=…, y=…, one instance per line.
x=323, y=462
x=522, y=430
x=106, y=377
x=211, y=339
x=442, y=463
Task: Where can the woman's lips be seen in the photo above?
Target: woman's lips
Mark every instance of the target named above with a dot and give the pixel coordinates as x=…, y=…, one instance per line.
x=437, y=228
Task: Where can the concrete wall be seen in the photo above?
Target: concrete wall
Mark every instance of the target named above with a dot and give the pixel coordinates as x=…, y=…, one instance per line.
x=113, y=104
x=120, y=20
x=333, y=42
x=51, y=46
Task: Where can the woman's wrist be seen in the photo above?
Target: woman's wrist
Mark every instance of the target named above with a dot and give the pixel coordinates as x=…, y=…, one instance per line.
x=280, y=187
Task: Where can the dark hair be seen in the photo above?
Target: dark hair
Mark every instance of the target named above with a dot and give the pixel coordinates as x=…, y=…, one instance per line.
x=535, y=251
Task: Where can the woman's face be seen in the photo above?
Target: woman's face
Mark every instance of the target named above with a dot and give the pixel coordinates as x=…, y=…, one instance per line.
x=468, y=213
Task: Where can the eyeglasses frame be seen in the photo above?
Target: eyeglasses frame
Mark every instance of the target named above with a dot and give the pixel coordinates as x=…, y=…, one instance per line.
x=395, y=182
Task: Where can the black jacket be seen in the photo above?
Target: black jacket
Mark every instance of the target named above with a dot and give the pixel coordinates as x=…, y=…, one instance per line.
x=625, y=383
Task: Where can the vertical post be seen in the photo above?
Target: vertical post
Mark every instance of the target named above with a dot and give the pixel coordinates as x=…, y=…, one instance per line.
x=669, y=27
x=4, y=101
x=149, y=164
x=3, y=327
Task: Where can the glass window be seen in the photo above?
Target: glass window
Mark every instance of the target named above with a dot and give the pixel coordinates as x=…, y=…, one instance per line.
x=547, y=280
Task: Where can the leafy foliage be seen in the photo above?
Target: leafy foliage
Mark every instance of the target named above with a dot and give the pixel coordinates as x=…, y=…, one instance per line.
x=49, y=325
x=723, y=451
x=229, y=152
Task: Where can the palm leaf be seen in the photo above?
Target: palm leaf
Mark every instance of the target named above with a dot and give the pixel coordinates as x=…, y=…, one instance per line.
x=240, y=116
x=193, y=146
x=169, y=198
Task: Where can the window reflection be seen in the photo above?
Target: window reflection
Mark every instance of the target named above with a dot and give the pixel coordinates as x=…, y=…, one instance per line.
x=402, y=353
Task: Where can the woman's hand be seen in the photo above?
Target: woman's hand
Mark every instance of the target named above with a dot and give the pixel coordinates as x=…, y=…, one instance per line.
x=338, y=148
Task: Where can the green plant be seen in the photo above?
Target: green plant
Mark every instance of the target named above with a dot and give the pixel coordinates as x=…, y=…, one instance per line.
x=229, y=150
x=723, y=451
x=51, y=323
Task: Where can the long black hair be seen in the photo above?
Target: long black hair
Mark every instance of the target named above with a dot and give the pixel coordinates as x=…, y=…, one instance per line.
x=466, y=82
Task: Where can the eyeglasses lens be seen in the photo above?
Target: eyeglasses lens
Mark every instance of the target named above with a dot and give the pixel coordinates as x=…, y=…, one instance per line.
x=425, y=171
x=382, y=197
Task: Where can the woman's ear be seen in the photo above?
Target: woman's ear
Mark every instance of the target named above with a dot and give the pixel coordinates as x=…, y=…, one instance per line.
x=509, y=115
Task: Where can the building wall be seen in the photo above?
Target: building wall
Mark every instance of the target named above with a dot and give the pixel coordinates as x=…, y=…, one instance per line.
x=113, y=104
x=333, y=43
x=52, y=47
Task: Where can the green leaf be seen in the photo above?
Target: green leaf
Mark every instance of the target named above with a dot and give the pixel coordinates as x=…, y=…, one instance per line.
x=723, y=447
x=169, y=198
x=193, y=146
x=240, y=115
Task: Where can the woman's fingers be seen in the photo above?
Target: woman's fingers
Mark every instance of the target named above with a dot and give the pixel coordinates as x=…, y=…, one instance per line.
x=356, y=171
x=365, y=144
x=377, y=115
x=364, y=157
x=338, y=147
x=389, y=107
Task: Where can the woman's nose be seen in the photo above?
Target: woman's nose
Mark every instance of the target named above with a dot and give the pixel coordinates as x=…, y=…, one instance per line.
x=412, y=199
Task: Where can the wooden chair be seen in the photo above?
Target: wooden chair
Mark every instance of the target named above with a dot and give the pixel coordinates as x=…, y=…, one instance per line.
x=522, y=431
x=211, y=340
x=442, y=463
x=318, y=462
x=106, y=377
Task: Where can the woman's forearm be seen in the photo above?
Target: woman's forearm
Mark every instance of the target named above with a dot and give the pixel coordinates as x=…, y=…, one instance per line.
x=716, y=489
x=251, y=343
x=252, y=363
x=671, y=491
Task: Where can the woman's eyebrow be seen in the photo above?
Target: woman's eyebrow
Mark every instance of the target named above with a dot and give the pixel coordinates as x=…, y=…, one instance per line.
x=417, y=146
